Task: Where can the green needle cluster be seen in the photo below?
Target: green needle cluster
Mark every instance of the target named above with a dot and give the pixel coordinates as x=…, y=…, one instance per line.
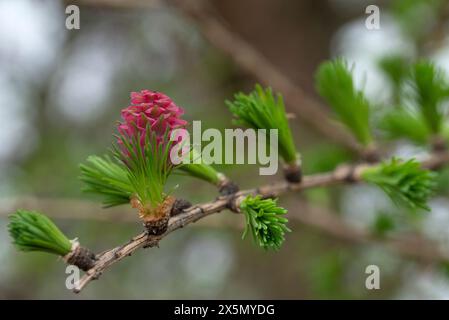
x=265, y=221
x=262, y=109
x=108, y=178
x=405, y=182
x=33, y=231
x=335, y=84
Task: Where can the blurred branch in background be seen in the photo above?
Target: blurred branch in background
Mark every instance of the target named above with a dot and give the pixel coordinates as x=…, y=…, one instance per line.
x=250, y=60
x=409, y=245
x=436, y=38
x=214, y=29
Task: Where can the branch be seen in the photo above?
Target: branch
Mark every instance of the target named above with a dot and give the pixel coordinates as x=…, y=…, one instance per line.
x=313, y=114
x=314, y=216
x=411, y=246
x=144, y=240
x=418, y=248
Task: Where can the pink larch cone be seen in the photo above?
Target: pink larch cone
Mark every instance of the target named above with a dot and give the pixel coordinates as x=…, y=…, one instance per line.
x=153, y=110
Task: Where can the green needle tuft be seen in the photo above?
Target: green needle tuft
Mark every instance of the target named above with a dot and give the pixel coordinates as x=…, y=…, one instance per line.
x=108, y=178
x=430, y=90
x=404, y=182
x=335, y=84
x=262, y=109
x=265, y=221
x=33, y=231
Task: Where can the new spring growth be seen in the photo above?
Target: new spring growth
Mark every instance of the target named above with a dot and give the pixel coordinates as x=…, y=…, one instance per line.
x=335, y=84
x=144, y=146
x=402, y=123
x=33, y=231
x=265, y=221
x=424, y=118
x=151, y=129
x=405, y=182
x=396, y=68
x=141, y=164
x=107, y=177
x=262, y=109
x=430, y=91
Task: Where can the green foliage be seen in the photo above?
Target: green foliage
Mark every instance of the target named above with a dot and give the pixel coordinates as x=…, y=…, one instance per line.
x=33, y=231
x=442, y=185
x=108, y=178
x=444, y=268
x=200, y=170
x=335, y=84
x=265, y=222
x=383, y=224
x=148, y=166
x=327, y=274
x=430, y=90
x=396, y=68
x=404, y=124
x=404, y=182
x=261, y=109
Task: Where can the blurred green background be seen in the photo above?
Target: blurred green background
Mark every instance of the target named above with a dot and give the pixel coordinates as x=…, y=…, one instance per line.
x=61, y=93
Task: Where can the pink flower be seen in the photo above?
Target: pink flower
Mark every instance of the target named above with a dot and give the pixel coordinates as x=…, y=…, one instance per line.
x=153, y=111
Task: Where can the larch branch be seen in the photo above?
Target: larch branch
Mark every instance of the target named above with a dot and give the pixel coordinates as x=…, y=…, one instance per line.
x=416, y=247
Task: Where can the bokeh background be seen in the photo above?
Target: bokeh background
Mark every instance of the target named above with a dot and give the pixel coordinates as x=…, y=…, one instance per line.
x=61, y=92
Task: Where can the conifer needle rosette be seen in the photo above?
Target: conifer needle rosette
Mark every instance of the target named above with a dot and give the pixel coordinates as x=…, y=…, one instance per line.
x=33, y=231
x=265, y=221
x=335, y=84
x=405, y=182
x=262, y=109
